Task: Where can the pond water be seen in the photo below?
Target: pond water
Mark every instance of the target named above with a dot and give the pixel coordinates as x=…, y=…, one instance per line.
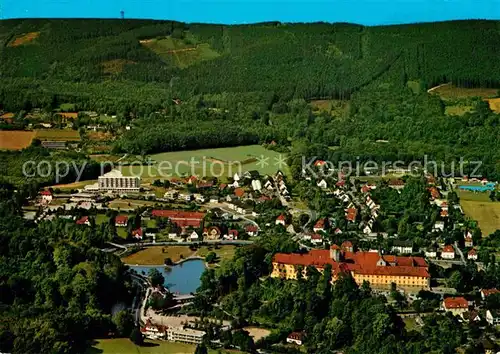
x=183, y=278
x=487, y=187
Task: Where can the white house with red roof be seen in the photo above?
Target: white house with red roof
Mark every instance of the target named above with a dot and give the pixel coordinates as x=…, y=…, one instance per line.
x=296, y=338
x=472, y=254
x=137, y=234
x=316, y=239
x=121, y=220
x=456, y=305
x=46, y=196
x=320, y=225
x=468, y=239
x=153, y=331
x=252, y=230
x=487, y=292
x=281, y=220
x=448, y=252
x=84, y=220
x=232, y=234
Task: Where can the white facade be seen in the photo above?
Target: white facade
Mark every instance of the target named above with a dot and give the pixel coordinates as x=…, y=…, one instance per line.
x=115, y=181
x=185, y=335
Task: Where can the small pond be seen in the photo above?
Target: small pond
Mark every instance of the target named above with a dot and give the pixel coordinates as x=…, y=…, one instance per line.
x=183, y=278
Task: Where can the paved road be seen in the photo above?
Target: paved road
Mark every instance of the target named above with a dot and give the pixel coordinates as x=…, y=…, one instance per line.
x=459, y=251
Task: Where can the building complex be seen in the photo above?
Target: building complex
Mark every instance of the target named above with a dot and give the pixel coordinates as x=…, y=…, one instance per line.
x=378, y=269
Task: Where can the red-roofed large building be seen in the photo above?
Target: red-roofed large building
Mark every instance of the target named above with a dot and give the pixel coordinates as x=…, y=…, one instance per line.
x=379, y=270
x=181, y=218
x=456, y=305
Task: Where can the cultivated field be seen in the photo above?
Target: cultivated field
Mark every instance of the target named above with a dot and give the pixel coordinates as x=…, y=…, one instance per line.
x=22, y=39
x=449, y=91
x=57, y=134
x=15, y=139
x=222, y=162
x=125, y=346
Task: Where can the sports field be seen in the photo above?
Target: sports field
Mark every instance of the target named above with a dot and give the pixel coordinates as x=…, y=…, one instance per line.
x=125, y=346
x=57, y=134
x=221, y=162
x=15, y=139
x=479, y=207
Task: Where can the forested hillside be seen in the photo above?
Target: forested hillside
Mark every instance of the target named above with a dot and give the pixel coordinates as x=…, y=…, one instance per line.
x=149, y=61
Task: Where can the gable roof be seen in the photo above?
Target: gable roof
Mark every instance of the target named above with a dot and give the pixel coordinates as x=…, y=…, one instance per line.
x=121, y=219
x=82, y=220
x=239, y=192
x=448, y=249
x=455, y=303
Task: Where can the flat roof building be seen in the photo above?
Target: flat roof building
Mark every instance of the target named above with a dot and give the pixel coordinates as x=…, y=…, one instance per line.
x=115, y=181
x=185, y=335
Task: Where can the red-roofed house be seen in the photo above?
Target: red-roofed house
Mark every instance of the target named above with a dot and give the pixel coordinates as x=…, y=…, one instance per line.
x=232, y=234
x=347, y=246
x=121, y=220
x=468, y=239
x=191, y=180
x=448, y=252
x=319, y=163
x=281, y=220
x=456, y=305
x=316, y=238
x=137, y=234
x=239, y=192
x=486, y=292
x=46, y=196
x=351, y=214
x=320, y=225
x=153, y=331
x=444, y=213
x=377, y=269
x=434, y=192
x=472, y=254
x=396, y=184
x=204, y=185
x=252, y=230
x=211, y=233
x=181, y=218
x=84, y=220
x=295, y=338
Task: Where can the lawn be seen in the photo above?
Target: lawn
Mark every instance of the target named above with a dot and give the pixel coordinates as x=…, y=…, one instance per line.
x=74, y=185
x=156, y=256
x=125, y=346
x=221, y=162
x=15, y=139
x=57, y=134
x=129, y=203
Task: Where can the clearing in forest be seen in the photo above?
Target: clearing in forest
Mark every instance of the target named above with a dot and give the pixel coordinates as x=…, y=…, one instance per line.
x=24, y=38
x=494, y=104
x=15, y=139
x=115, y=66
x=450, y=91
x=180, y=52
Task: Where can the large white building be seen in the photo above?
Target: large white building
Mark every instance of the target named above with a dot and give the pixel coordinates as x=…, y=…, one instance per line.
x=185, y=335
x=115, y=181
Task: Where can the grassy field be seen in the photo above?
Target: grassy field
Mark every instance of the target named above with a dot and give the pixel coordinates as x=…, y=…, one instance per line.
x=155, y=255
x=129, y=203
x=57, y=134
x=411, y=324
x=486, y=213
x=15, y=139
x=179, y=52
x=223, y=162
x=450, y=91
x=125, y=346
x=115, y=66
x=494, y=104
x=74, y=185
x=457, y=110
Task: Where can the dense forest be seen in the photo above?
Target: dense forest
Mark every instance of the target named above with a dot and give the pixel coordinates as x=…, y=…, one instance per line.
x=57, y=287
x=67, y=60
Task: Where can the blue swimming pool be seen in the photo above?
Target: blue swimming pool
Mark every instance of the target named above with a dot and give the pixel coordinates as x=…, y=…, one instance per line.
x=485, y=188
x=183, y=278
